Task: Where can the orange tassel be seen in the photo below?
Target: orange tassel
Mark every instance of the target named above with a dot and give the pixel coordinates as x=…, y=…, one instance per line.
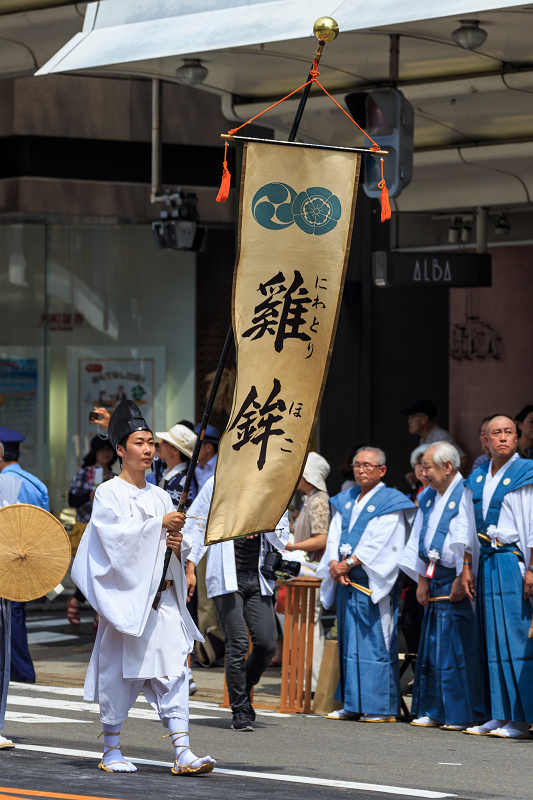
x=385, y=205
x=223, y=192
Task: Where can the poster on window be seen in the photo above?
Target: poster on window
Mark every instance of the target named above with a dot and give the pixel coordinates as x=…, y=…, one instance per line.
x=104, y=377
x=21, y=402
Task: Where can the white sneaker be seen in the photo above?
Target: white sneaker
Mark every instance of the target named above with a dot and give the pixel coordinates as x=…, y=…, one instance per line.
x=425, y=722
x=341, y=713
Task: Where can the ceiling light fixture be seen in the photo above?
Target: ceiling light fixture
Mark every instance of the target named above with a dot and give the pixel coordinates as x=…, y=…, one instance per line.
x=466, y=230
x=192, y=72
x=453, y=232
x=503, y=226
x=469, y=36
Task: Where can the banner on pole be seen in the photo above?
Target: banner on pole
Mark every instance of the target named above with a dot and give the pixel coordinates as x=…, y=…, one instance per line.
x=295, y=224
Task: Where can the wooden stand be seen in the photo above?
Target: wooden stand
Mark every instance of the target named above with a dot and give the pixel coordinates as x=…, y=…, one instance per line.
x=298, y=635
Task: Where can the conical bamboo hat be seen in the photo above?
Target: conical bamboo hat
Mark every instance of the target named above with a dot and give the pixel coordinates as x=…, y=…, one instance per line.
x=34, y=552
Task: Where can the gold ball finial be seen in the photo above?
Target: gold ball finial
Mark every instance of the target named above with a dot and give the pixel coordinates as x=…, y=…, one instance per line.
x=326, y=29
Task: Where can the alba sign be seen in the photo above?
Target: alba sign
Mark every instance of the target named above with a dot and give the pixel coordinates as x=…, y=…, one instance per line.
x=431, y=269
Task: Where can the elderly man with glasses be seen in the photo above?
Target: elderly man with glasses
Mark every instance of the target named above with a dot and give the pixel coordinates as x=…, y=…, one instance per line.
x=360, y=567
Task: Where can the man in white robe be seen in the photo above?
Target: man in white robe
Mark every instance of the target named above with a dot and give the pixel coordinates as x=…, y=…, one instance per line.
x=444, y=676
x=495, y=536
x=360, y=569
x=118, y=568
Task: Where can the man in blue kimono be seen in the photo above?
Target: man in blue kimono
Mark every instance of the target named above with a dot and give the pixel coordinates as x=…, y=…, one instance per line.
x=34, y=492
x=10, y=487
x=365, y=539
x=443, y=690
x=495, y=536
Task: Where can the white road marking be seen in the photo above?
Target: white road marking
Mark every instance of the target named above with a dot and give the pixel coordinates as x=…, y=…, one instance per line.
x=93, y=708
x=369, y=787
x=204, y=705
x=22, y=716
x=449, y=764
x=54, y=622
x=73, y=691
x=48, y=637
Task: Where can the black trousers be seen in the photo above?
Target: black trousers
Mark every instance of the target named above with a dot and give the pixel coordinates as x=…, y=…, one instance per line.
x=236, y=610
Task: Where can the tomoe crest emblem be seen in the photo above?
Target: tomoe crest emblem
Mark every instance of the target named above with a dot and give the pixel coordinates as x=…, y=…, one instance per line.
x=315, y=211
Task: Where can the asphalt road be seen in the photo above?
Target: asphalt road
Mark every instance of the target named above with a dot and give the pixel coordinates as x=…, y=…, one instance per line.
x=285, y=758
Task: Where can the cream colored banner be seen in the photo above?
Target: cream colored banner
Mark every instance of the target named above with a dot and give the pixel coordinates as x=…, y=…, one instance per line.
x=295, y=226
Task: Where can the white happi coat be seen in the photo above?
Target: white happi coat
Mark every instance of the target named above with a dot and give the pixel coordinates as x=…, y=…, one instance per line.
x=221, y=572
x=118, y=568
x=410, y=561
x=515, y=523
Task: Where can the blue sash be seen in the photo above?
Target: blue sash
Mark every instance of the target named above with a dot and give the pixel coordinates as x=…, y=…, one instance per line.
x=384, y=501
x=518, y=474
x=426, y=501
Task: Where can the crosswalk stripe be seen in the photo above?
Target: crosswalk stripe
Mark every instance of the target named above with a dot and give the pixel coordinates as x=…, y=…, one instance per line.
x=50, y=637
x=73, y=691
x=326, y=782
x=92, y=708
x=53, y=622
x=21, y=716
x=204, y=705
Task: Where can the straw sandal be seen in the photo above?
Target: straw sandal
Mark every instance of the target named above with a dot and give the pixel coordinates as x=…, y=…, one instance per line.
x=186, y=769
x=7, y=745
x=107, y=750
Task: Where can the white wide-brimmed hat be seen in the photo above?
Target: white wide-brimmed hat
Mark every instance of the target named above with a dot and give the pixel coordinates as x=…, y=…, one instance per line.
x=181, y=437
x=316, y=471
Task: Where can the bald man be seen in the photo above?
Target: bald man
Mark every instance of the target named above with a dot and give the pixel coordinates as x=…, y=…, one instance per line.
x=494, y=535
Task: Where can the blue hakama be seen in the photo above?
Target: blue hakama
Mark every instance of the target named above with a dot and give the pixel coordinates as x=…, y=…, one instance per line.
x=505, y=652
x=445, y=667
x=369, y=673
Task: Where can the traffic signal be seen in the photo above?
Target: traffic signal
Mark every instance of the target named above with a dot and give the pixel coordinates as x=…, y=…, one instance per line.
x=386, y=116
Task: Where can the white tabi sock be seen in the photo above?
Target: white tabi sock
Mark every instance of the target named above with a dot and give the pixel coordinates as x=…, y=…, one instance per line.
x=515, y=729
x=113, y=758
x=6, y=744
x=179, y=733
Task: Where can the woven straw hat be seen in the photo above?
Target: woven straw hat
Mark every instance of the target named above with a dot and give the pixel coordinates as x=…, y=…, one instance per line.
x=34, y=552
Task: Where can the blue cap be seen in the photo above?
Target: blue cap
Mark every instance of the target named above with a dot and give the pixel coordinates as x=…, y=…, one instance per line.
x=9, y=435
x=212, y=434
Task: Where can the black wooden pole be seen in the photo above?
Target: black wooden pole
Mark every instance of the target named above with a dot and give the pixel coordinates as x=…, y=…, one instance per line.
x=194, y=458
x=303, y=98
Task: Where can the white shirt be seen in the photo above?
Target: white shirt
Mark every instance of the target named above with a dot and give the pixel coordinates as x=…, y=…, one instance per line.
x=221, y=572
x=515, y=523
x=202, y=474
x=410, y=562
x=378, y=549
x=168, y=474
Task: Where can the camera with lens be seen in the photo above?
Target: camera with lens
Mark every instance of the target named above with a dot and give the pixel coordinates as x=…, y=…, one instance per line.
x=277, y=568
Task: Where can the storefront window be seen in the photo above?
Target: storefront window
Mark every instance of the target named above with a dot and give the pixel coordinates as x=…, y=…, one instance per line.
x=90, y=314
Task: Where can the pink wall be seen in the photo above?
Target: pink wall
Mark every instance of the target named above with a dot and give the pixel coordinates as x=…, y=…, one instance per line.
x=482, y=387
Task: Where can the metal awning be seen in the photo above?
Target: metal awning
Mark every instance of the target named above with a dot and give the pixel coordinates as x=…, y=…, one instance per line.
x=132, y=31
x=255, y=51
